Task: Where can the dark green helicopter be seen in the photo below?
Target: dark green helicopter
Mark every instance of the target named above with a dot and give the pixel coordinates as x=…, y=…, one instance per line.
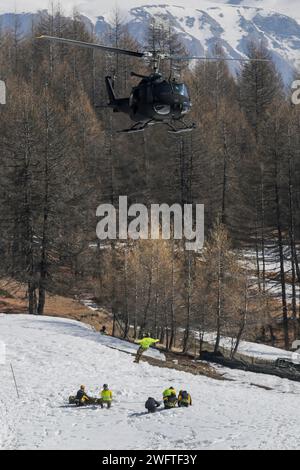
x=155, y=100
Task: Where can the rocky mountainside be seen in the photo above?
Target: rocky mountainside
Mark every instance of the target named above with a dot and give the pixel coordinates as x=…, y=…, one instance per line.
x=232, y=26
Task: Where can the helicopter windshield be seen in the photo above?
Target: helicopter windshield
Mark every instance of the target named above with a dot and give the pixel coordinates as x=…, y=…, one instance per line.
x=181, y=89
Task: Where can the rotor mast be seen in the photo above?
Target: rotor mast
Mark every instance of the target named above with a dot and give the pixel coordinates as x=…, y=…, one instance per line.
x=156, y=58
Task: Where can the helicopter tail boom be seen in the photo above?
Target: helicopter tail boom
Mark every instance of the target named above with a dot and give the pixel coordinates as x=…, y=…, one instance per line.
x=119, y=105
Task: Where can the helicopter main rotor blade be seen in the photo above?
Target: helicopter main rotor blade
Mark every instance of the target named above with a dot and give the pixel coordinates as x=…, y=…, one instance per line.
x=171, y=57
x=91, y=45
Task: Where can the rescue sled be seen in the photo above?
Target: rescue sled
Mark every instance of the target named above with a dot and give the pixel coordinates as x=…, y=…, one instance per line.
x=90, y=401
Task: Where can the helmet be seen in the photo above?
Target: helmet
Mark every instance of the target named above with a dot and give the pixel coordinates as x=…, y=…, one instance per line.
x=82, y=387
x=105, y=386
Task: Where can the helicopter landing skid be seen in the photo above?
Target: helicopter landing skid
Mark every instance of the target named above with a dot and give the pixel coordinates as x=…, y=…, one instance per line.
x=138, y=127
x=141, y=126
x=181, y=130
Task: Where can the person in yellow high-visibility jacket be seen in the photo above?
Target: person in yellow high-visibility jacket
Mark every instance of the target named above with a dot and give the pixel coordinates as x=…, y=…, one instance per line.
x=106, y=396
x=170, y=398
x=184, y=399
x=145, y=344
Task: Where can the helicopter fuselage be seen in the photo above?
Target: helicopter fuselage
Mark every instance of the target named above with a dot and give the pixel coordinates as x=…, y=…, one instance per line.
x=154, y=98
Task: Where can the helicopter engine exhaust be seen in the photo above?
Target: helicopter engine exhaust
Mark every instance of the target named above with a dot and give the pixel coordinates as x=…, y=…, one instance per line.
x=138, y=75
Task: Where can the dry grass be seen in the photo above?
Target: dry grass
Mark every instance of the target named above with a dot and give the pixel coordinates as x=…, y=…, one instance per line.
x=184, y=364
x=13, y=300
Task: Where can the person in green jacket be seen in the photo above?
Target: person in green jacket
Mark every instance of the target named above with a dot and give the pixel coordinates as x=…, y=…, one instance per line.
x=145, y=344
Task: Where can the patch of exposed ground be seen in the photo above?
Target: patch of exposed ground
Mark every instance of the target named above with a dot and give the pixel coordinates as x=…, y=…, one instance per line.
x=185, y=365
x=13, y=299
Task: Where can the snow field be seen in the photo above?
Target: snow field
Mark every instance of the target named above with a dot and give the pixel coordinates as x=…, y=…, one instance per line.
x=53, y=357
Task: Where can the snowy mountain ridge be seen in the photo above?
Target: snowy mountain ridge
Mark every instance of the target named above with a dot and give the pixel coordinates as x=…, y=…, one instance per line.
x=201, y=26
x=289, y=8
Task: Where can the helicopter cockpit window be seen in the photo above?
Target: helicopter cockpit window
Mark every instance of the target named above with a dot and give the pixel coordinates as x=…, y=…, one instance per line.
x=162, y=109
x=186, y=107
x=181, y=89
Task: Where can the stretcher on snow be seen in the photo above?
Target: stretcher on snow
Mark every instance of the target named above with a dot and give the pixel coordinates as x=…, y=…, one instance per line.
x=87, y=402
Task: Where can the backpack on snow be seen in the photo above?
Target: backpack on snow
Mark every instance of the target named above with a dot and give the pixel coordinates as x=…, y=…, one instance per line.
x=150, y=404
x=184, y=395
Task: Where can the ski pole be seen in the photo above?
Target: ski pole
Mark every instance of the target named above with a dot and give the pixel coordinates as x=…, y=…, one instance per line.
x=13, y=374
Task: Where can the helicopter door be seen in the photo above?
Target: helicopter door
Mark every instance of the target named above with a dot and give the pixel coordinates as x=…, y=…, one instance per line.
x=134, y=100
x=161, y=93
x=149, y=93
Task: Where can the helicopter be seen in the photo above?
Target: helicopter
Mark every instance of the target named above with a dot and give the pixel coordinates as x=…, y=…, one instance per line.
x=156, y=99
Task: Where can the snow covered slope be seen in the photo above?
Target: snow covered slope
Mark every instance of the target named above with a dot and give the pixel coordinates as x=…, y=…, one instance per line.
x=290, y=7
x=200, y=24
x=52, y=357
x=254, y=350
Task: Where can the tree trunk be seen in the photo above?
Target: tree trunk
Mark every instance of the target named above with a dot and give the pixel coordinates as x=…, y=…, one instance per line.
x=219, y=302
x=281, y=257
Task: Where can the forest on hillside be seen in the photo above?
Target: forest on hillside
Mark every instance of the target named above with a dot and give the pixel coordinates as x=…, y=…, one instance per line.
x=61, y=157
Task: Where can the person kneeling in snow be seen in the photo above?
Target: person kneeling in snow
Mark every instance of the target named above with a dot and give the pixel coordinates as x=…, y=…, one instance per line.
x=145, y=344
x=82, y=398
x=170, y=398
x=151, y=405
x=106, y=396
x=184, y=399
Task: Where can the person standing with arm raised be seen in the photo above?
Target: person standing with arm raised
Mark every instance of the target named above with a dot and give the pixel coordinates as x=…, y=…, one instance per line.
x=145, y=344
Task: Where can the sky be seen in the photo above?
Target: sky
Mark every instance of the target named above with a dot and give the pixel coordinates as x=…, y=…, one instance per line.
x=93, y=8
